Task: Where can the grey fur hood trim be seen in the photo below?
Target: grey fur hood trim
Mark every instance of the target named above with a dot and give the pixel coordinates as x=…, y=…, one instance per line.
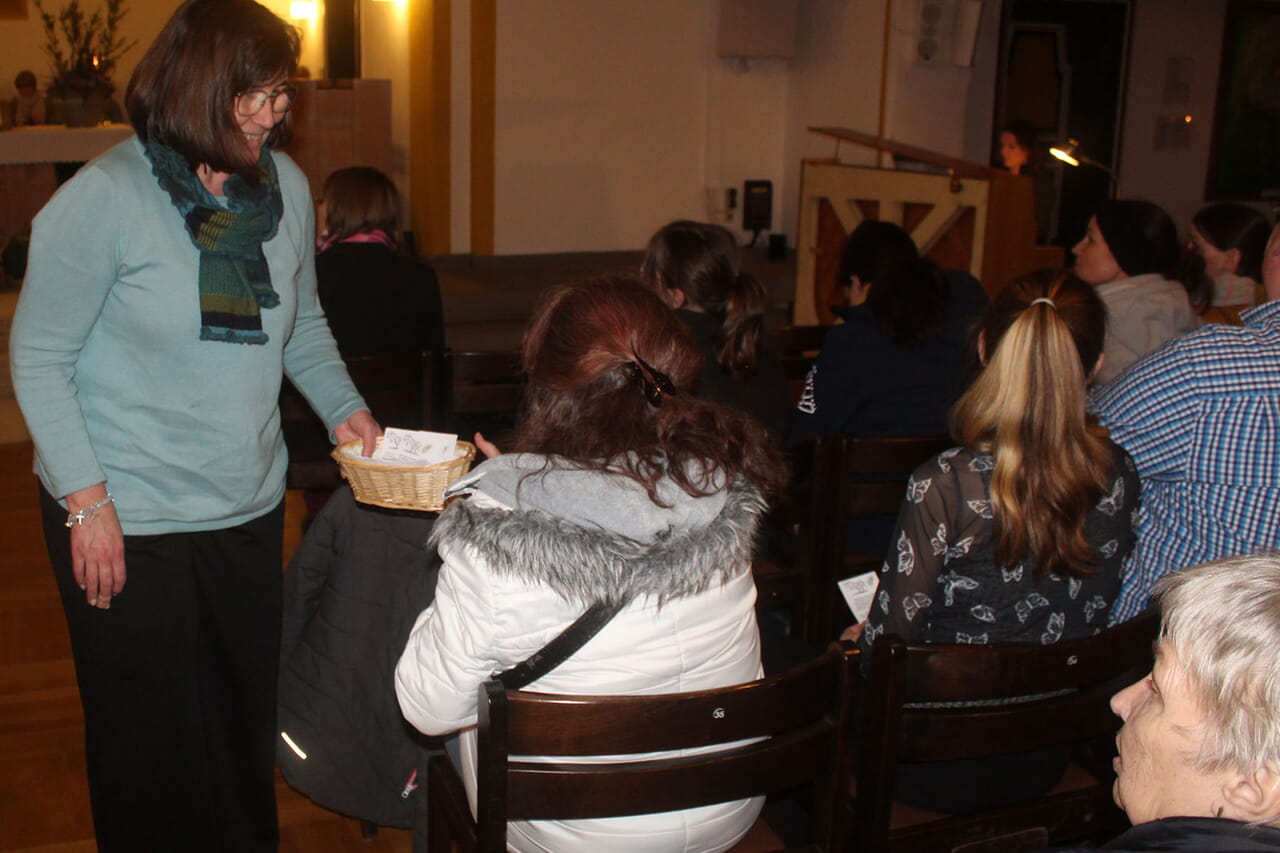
x=587, y=563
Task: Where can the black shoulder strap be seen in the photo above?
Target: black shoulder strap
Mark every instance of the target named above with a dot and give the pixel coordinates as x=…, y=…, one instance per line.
x=561, y=648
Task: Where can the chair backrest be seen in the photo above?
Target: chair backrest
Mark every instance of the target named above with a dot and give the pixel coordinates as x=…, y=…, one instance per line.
x=799, y=725
x=866, y=476
x=911, y=714
x=797, y=349
x=398, y=390
x=791, y=536
x=466, y=385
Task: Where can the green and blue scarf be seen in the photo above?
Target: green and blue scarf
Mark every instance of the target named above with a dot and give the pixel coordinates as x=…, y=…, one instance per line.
x=234, y=281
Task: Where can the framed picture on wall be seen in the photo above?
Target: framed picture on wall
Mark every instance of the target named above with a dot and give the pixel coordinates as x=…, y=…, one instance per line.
x=13, y=10
x=1243, y=159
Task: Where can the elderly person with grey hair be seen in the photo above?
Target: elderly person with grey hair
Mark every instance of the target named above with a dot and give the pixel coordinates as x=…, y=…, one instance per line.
x=1199, y=765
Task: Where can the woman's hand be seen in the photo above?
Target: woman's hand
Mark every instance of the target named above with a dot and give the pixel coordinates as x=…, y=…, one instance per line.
x=853, y=633
x=97, y=548
x=485, y=446
x=360, y=425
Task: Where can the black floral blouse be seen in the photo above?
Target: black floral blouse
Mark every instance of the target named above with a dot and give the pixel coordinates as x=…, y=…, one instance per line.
x=940, y=582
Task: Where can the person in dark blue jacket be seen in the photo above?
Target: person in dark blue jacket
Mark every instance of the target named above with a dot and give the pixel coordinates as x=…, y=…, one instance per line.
x=898, y=362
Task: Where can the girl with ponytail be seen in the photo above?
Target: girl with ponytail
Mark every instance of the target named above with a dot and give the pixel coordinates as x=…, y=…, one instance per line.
x=623, y=488
x=695, y=268
x=1017, y=535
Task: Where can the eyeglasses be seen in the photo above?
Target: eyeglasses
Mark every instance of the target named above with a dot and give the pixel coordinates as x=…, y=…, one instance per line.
x=250, y=101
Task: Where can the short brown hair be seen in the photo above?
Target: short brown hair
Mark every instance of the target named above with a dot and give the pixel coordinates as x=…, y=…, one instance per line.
x=360, y=199
x=182, y=93
x=585, y=403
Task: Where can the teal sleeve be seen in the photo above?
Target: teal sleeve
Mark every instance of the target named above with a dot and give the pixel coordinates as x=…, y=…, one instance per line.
x=311, y=359
x=70, y=272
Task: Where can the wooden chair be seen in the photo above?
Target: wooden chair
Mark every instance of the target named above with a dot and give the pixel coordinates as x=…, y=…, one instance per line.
x=866, y=477
x=1226, y=314
x=898, y=728
x=802, y=721
x=791, y=536
x=797, y=349
x=398, y=389
x=475, y=390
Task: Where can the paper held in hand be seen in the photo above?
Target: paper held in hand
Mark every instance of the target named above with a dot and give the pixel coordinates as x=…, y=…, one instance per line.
x=859, y=591
x=415, y=447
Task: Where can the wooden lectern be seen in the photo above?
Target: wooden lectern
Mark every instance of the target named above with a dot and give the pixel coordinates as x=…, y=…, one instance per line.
x=969, y=216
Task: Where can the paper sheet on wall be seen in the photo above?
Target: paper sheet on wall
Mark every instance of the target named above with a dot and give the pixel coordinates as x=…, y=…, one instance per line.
x=859, y=592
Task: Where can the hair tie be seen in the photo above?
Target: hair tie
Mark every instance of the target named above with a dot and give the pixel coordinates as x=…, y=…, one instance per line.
x=653, y=382
x=1047, y=301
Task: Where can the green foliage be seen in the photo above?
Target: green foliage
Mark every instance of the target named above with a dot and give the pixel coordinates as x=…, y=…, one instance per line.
x=83, y=49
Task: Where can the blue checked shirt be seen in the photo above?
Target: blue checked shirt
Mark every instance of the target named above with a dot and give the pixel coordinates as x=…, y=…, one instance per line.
x=1201, y=418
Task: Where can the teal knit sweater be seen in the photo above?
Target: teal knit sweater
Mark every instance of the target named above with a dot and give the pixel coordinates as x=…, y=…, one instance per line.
x=113, y=379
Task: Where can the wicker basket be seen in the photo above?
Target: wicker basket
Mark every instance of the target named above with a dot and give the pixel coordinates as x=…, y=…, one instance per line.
x=418, y=487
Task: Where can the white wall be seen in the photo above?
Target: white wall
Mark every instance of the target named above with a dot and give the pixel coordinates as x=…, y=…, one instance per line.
x=612, y=119
x=835, y=81
x=1172, y=178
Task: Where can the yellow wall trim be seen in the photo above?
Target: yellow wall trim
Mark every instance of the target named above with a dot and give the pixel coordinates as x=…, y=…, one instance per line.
x=430, y=109
x=484, y=49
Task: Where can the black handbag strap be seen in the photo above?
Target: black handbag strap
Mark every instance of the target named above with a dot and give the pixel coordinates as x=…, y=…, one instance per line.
x=561, y=648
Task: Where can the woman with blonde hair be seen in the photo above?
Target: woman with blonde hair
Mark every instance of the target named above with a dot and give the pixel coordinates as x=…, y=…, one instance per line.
x=1017, y=535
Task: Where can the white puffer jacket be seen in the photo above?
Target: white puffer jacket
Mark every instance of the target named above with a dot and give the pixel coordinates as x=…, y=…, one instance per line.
x=525, y=554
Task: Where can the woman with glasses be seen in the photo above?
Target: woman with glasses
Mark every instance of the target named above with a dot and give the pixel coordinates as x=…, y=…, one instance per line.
x=170, y=286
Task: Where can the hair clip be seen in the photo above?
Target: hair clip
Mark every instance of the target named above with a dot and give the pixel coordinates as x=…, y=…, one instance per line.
x=653, y=382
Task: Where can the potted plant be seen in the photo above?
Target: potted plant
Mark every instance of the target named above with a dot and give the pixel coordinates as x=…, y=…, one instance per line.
x=83, y=50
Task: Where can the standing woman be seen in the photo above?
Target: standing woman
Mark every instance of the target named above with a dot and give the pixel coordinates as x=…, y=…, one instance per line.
x=1018, y=151
x=170, y=285
x=695, y=268
x=1018, y=535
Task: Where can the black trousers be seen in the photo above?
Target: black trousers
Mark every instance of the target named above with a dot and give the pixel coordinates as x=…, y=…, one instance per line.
x=178, y=685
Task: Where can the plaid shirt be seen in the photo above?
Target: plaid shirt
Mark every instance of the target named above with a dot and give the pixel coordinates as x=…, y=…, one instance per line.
x=1201, y=418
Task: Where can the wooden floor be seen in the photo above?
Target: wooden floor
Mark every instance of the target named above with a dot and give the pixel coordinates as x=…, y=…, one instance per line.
x=44, y=801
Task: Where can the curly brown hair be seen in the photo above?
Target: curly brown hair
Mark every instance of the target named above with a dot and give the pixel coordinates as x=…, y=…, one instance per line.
x=592, y=351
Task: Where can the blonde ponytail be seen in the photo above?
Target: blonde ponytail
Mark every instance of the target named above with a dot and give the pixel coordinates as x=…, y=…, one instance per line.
x=1027, y=407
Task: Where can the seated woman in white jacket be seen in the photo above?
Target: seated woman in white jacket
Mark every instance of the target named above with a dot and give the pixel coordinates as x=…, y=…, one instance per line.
x=1130, y=254
x=622, y=487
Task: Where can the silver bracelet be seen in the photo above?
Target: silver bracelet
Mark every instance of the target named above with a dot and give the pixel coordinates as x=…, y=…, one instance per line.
x=89, y=513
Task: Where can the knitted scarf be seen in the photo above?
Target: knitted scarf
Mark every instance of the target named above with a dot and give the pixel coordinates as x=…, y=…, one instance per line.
x=234, y=281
